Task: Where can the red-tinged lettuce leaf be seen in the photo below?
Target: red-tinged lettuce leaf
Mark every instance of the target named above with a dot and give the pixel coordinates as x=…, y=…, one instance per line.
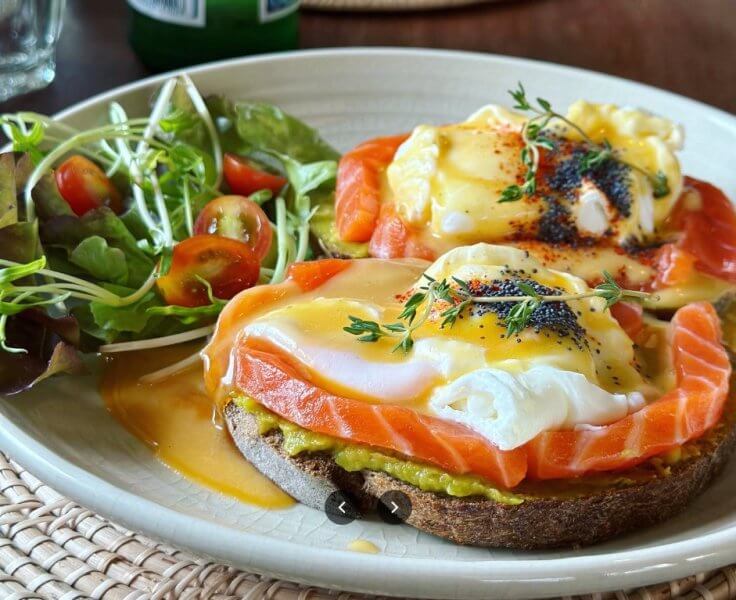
x=47, y=199
x=15, y=169
x=50, y=346
x=19, y=242
x=23, y=169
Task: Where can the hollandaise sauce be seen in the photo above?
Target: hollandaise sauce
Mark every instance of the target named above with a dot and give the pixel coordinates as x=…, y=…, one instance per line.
x=178, y=421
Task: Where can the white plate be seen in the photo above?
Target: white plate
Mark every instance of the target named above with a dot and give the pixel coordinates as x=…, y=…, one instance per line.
x=61, y=432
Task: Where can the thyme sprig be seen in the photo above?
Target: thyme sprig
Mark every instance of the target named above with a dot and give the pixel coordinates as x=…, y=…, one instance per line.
x=460, y=297
x=533, y=138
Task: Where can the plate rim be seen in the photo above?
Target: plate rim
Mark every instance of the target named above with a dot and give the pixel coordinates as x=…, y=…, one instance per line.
x=607, y=571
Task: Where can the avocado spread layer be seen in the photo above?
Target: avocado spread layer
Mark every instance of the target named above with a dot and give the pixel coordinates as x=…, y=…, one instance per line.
x=353, y=457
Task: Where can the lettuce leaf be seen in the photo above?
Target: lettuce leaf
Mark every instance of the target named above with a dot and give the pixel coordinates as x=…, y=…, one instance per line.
x=71, y=232
x=190, y=315
x=149, y=317
x=254, y=128
x=48, y=201
x=19, y=242
x=50, y=348
x=133, y=318
x=100, y=260
x=306, y=178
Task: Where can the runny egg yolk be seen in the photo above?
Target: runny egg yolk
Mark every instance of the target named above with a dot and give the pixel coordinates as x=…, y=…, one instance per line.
x=581, y=337
x=446, y=181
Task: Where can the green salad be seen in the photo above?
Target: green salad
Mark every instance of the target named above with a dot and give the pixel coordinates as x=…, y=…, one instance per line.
x=135, y=233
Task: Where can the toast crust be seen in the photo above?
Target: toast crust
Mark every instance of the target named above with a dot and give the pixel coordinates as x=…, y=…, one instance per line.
x=537, y=523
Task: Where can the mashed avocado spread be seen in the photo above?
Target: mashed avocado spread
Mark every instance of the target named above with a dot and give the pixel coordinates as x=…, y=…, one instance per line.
x=353, y=457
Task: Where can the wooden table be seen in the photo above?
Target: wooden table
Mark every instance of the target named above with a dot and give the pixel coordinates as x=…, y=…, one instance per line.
x=687, y=46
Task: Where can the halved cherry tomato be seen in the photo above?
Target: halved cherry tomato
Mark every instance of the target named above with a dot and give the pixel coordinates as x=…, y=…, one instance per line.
x=85, y=186
x=243, y=178
x=228, y=265
x=238, y=218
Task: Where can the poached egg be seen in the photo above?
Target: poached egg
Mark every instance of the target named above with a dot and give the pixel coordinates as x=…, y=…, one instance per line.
x=507, y=388
x=446, y=181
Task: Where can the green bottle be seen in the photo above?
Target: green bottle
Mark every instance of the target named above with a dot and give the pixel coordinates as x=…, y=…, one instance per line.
x=168, y=34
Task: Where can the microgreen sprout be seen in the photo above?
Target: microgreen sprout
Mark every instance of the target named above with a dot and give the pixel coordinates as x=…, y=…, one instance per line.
x=143, y=149
x=17, y=295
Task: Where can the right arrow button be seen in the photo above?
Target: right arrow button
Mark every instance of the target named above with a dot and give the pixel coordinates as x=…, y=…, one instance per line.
x=394, y=507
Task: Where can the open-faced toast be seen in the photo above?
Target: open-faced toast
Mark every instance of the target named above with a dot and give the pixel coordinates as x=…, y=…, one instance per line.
x=566, y=515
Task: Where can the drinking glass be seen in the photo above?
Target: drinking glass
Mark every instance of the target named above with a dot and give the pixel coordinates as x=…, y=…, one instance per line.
x=29, y=30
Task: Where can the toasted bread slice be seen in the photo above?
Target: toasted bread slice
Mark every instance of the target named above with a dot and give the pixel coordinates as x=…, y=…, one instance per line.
x=547, y=518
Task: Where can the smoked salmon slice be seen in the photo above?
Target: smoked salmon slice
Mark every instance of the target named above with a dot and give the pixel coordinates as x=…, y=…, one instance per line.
x=695, y=405
x=358, y=188
x=279, y=386
x=674, y=266
x=629, y=316
x=392, y=238
x=311, y=274
x=709, y=234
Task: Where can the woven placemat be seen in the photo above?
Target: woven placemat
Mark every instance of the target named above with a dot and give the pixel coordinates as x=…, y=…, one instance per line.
x=402, y=5
x=50, y=547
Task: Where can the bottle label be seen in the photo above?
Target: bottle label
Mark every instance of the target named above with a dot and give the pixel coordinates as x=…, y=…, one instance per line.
x=190, y=13
x=270, y=10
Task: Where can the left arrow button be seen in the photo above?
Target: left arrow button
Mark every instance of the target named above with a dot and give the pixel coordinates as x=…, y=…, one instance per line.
x=341, y=508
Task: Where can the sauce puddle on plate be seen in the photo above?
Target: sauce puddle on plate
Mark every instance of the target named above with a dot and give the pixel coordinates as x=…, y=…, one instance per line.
x=178, y=421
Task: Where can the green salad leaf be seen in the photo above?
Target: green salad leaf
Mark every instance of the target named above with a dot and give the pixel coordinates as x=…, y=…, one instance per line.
x=100, y=260
x=70, y=232
x=305, y=178
x=263, y=132
x=183, y=122
x=190, y=315
x=114, y=320
x=248, y=128
x=97, y=272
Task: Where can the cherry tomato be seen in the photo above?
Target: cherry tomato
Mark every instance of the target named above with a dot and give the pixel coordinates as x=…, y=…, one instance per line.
x=228, y=265
x=85, y=186
x=238, y=218
x=243, y=178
